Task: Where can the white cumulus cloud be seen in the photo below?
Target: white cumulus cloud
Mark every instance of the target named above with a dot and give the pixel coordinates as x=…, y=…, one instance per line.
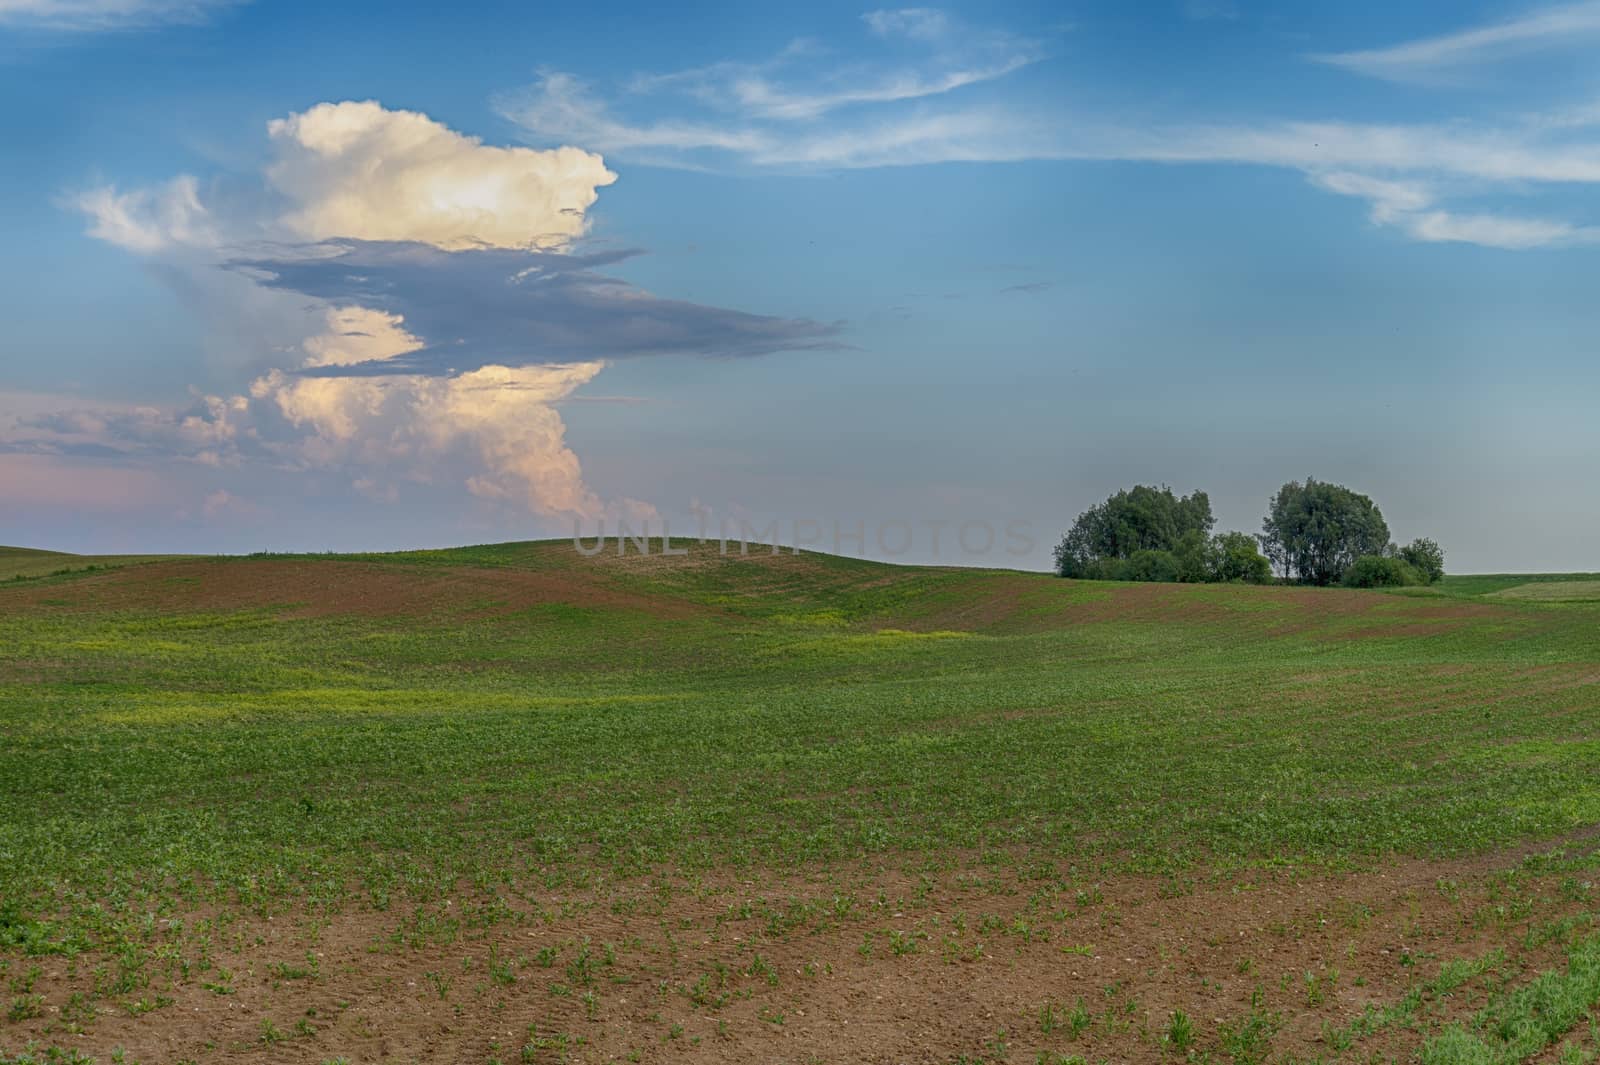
x=357, y=169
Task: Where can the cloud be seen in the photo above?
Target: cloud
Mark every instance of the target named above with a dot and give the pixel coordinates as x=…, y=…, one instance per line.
x=1567, y=26
x=486, y=305
x=768, y=113
x=558, y=106
x=1411, y=206
x=1507, y=153
x=765, y=100
x=359, y=170
x=496, y=428
x=1405, y=173
x=507, y=416
x=917, y=23
x=1210, y=11
x=501, y=420
x=494, y=432
x=421, y=302
x=152, y=219
x=793, y=112
x=209, y=431
x=356, y=169
x=1499, y=231
x=97, y=15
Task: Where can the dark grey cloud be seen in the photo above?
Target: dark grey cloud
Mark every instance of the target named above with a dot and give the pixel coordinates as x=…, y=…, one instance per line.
x=1030, y=286
x=519, y=307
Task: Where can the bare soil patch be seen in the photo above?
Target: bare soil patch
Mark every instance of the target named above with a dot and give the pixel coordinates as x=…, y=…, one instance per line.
x=871, y=963
x=318, y=588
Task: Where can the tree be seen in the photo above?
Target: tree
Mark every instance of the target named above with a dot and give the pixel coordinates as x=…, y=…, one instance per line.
x=1317, y=530
x=1235, y=558
x=1426, y=557
x=1138, y=519
x=1277, y=555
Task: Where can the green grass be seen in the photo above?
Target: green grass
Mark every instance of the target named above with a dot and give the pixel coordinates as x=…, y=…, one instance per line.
x=784, y=712
x=1585, y=591
x=1519, y=1024
x=26, y=562
x=1498, y=584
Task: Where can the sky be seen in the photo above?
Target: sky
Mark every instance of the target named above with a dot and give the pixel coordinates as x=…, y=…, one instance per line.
x=912, y=283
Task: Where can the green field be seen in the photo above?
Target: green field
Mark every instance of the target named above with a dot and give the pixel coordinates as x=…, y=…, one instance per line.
x=427, y=751
x=26, y=562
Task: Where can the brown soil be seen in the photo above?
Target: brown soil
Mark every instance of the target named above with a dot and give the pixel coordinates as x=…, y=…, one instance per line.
x=915, y=966
x=315, y=588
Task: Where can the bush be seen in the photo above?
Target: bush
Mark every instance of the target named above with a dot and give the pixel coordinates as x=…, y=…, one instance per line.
x=1151, y=565
x=1380, y=571
x=1426, y=557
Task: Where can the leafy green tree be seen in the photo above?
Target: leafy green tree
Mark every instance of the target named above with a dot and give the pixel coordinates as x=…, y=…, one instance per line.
x=1426, y=557
x=1318, y=529
x=1195, y=554
x=1137, y=519
x=1234, y=557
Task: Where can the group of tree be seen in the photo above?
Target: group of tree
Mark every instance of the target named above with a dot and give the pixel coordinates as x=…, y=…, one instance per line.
x=1149, y=534
x=1314, y=533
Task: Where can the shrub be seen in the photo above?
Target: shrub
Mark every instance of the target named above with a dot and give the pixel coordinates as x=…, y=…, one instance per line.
x=1380, y=571
x=1151, y=565
x=1426, y=557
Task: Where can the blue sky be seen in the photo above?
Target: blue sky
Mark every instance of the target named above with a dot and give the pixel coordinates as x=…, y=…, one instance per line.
x=302, y=276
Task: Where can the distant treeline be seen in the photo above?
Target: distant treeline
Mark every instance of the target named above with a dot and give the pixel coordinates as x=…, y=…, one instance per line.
x=1314, y=533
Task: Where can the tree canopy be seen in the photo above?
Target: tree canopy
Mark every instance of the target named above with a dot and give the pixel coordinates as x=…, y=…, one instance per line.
x=1136, y=519
x=1151, y=534
x=1426, y=557
x=1317, y=530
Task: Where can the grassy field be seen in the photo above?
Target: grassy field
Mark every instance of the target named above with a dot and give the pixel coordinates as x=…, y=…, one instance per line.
x=26, y=562
x=507, y=803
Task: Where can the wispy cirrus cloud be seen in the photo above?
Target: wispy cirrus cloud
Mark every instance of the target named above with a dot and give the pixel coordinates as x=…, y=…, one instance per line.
x=1210, y=11
x=916, y=23
x=1438, y=183
x=803, y=110
x=87, y=16
x=560, y=107
x=1447, y=55
x=888, y=108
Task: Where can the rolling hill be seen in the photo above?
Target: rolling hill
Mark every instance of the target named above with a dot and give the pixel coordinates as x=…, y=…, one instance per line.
x=509, y=801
